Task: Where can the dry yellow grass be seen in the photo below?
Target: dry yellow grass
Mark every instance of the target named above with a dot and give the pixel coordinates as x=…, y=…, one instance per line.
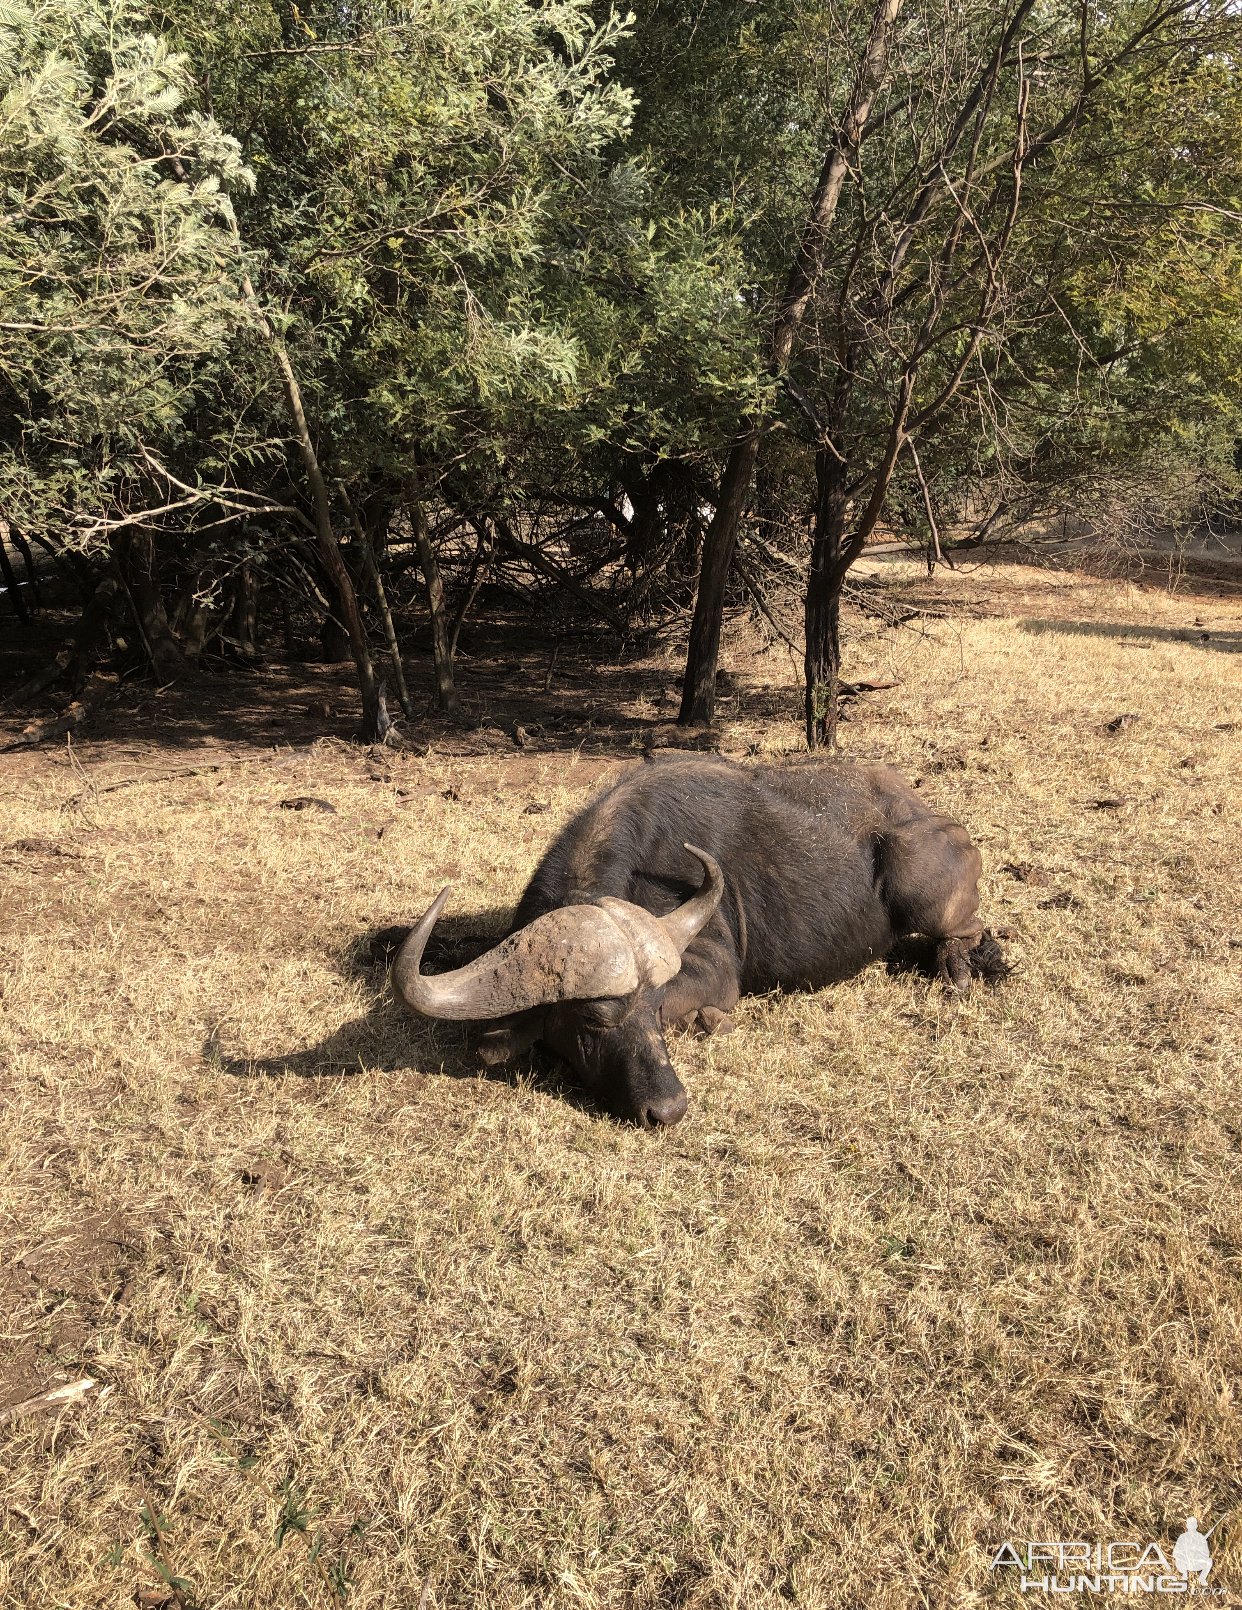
x=913, y=1277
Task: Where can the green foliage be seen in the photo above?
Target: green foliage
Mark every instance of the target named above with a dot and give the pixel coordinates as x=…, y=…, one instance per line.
x=293, y=1515
x=525, y=257
x=432, y=183
x=1115, y=328
x=118, y=262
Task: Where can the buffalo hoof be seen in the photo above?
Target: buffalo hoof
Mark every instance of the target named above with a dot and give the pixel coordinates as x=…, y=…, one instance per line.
x=987, y=959
x=953, y=966
x=713, y=1021
x=958, y=965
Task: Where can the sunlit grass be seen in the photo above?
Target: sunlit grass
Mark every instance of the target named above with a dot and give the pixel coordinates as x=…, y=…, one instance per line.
x=913, y=1276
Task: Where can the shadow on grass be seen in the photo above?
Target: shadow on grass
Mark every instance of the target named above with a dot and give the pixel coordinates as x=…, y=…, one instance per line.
x=391, y=1040
x=1222, y=642
x=540, y=690
x=913, y=955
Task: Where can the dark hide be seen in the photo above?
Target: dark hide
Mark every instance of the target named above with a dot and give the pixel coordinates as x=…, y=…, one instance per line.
x=826, y=864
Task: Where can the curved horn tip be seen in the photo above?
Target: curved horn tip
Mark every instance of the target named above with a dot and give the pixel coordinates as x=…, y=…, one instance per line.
x=431, y=916
x=692, y=917
x=710, y=864
x=405, y=964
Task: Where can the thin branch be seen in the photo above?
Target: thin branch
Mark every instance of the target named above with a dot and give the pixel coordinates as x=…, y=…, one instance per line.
x=935, y=551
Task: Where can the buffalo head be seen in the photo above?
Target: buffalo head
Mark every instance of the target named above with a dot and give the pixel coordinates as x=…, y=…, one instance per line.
x=587, y=980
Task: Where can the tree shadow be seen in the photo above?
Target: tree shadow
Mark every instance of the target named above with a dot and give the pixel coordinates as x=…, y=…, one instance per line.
x=538, y=687
x=1222, y=642
x=391, y=1040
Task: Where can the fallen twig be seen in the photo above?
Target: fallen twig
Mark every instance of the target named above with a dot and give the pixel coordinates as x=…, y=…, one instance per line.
x=867, y=685
x=58, y=1397
x=43, y=679
x=97, y=690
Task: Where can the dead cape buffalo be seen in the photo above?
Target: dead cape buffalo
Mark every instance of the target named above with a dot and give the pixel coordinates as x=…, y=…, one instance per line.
x=691, y=883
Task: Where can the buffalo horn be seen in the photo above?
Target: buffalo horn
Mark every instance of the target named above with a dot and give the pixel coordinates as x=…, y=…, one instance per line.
x=575, y=953
x=690, y=919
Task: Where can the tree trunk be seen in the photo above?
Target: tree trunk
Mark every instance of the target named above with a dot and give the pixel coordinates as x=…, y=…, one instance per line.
x=134, y=552
x=194, y=629
x=244, y=614
x=446, y=691
x=286, y=620
x=334, y=641
x=329, y=548
x=829, y=564
x=644, y=493
x=191, y=616
x=698, y=693
x=23, y=547
x=370, y=564
x=475, y=578
x=92, y=629
x=699, y=688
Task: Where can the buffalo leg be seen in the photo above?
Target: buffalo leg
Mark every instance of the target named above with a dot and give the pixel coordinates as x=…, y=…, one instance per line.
x=930, y=875
x=703, y=993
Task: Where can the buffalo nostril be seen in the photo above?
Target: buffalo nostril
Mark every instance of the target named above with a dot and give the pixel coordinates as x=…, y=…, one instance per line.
x=665, y=1110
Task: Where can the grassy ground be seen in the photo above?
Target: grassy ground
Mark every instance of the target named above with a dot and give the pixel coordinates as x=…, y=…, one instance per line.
x=913, y=1277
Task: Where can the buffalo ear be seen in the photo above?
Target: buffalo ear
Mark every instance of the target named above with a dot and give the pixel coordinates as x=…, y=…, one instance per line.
x=509, y=1039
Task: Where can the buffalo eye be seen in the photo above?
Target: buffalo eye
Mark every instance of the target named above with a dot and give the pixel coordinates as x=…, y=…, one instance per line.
x=603, y=1014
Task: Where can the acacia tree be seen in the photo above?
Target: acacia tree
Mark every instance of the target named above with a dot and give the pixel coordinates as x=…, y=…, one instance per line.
x=699, y=687
x=920, y=283
x=375, y=315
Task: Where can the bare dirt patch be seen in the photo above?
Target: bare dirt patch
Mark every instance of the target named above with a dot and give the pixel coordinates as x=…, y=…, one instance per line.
x=913, y=1277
